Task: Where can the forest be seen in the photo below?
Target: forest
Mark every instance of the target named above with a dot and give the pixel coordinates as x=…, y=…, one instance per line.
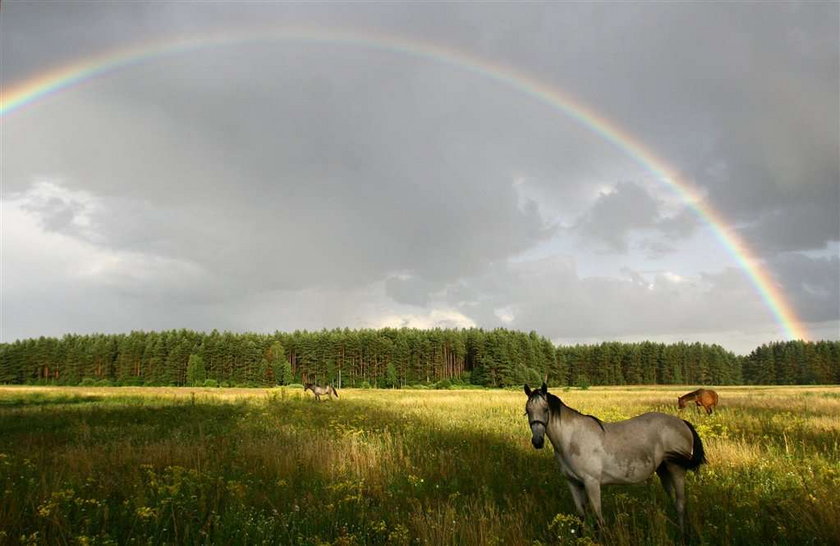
x=400, y=358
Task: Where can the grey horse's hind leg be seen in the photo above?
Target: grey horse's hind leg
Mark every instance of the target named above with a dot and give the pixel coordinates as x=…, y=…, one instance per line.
x=667, y=482
x=673, y=480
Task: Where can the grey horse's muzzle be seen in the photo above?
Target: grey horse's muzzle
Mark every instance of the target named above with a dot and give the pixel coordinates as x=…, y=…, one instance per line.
x=537, y=434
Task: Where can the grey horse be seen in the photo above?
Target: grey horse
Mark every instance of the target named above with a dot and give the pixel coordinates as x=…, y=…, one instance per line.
x=318, y=391
x=591, y=453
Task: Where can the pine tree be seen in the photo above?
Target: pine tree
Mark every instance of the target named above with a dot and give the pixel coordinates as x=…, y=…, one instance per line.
x=196, y=372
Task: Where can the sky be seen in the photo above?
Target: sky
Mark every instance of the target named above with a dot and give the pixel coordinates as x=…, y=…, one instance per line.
x=259, y=180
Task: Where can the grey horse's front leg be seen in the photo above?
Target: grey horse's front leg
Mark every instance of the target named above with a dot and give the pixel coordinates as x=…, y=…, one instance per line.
x=593, y=493
x=579, y=496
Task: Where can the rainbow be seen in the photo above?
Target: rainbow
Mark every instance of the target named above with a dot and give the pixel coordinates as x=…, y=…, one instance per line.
x=15, y=98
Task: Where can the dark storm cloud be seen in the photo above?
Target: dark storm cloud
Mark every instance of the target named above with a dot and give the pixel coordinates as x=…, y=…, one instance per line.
x=239, y=177
x=801, y=225
x=336, y=190
x=814, y=282
x=741, y=98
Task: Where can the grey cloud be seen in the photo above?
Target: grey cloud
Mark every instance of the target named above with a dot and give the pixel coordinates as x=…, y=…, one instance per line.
x=554, y=300
x=709, y=85
x=55, y=213
x=813, y=285
x=275, y=172
x=614, y=214
x=323, y=186
x=680, y=225
x=800, y=225
x=410, y=291
x=628, y=208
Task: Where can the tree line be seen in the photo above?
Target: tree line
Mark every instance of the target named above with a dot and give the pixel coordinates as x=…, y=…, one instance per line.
x=402, y=357
x=794, y=363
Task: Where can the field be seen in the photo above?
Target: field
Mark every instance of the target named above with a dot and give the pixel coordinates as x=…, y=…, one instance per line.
x=270, y=466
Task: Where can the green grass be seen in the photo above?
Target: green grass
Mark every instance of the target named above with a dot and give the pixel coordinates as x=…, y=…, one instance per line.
x=235, y=466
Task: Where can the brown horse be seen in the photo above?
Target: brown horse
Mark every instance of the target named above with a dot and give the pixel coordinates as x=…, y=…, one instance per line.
x=702, y=397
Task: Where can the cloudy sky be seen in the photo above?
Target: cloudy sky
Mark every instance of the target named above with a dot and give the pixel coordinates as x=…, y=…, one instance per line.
x=261, y=184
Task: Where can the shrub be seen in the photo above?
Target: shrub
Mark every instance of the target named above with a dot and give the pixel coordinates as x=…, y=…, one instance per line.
x=211, y=383
x=88, y=382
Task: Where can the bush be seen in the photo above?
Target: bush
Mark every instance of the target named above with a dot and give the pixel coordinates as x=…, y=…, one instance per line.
x=294, y=386
x=88, y=382
x=443, y=384
x=211, y=383
x=364, y=385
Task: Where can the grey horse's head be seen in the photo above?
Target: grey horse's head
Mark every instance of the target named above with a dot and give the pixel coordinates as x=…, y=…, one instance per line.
x=538, y=413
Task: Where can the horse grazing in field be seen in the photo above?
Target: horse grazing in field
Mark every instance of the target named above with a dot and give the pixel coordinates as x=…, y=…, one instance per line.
x=702, y=397
x=592, y=453
x=318, y=391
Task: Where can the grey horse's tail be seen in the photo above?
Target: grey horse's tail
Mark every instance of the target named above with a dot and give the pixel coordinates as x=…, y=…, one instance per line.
x=698, y=454
x=335, y=392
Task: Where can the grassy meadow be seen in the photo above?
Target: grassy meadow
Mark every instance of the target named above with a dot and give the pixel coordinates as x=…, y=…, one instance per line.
x=82, y=465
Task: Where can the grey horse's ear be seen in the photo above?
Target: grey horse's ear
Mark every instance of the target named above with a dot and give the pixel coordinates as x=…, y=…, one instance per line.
x=527, y=390
x=544, y=388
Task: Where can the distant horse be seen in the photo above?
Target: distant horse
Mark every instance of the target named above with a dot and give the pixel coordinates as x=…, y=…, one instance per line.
x=592, y=453
x=317, y=390
x=702, y=397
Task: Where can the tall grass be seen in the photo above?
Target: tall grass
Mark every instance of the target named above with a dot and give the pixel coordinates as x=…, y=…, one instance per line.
x=270, y=466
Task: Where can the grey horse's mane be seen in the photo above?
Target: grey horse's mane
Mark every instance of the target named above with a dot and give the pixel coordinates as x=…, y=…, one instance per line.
x=555, y=405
